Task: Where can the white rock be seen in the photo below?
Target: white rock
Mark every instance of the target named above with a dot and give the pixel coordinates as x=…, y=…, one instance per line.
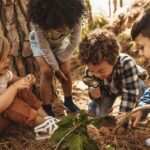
x=147, y=142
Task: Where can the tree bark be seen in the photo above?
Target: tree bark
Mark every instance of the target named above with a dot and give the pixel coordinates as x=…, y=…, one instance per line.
x=90, y=16
x=109, y=4
x=15, y=26
x=121, y=3
x=115, y=5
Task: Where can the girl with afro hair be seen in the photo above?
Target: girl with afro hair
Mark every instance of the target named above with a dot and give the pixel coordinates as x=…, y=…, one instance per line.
x=55, y=35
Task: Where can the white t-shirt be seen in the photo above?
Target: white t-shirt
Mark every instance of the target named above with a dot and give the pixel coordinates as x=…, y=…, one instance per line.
x=4, y=79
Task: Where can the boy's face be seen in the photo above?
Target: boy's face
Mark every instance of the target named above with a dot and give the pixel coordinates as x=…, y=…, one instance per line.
x=4, y=65
x=143, y=45
x=102, y=71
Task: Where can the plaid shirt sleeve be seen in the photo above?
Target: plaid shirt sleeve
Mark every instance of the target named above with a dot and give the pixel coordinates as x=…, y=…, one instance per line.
x=130, y=85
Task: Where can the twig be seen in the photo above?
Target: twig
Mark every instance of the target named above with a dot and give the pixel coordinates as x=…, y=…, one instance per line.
x=127, y=116
x=57, y=146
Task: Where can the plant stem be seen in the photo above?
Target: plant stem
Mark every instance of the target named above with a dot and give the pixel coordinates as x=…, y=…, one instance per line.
x=131, y=113
x=57, y=146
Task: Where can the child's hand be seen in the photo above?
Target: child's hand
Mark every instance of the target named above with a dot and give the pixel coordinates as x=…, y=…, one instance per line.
x=95, y=92
x=135, y=118
x=120, y=117
x=30, y=78
x=22, y=84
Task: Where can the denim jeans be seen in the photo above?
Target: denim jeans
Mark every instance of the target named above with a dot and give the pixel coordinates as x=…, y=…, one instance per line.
x=102, y=107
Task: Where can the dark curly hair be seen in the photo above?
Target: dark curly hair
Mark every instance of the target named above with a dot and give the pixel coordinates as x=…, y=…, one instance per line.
x=142, y=25
x=54, y=14
x=97, y=46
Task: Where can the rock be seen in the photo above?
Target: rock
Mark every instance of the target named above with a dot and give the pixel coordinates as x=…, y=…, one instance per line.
x=147, y=142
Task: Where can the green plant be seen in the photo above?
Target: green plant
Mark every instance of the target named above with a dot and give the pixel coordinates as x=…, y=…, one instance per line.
x=72, y=132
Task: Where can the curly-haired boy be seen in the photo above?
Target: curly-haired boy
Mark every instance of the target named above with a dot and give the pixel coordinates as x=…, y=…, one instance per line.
x=116, y=73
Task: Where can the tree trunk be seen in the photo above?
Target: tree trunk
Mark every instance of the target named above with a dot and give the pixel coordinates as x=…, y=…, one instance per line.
x=89, y=17
x=15, y=26
x=109, y=4
x=115, y=5
x=121, y=3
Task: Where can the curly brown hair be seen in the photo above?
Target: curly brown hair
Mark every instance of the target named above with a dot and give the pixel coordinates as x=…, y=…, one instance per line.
x=54, y=14
x=97, y=46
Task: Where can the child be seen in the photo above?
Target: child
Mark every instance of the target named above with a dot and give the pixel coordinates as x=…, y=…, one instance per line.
x=17, y=102
x=55, y=36
x=116, y=73
x=140, y=33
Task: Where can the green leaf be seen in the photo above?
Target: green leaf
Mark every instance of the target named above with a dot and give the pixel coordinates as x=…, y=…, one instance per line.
x=65, y=143
x=83, y=117
x=60, y=133
x=76, y=142
x=105, y=121
x=90, y=145
x=82, y=129
x=67, y=120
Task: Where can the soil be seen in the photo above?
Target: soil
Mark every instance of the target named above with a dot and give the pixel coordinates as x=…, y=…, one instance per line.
x=19, y=137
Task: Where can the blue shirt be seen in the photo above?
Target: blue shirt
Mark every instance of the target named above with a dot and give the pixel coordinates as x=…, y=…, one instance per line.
x=145, y=100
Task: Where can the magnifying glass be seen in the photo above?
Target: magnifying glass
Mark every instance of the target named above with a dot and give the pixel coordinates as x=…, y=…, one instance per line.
x=90, y=81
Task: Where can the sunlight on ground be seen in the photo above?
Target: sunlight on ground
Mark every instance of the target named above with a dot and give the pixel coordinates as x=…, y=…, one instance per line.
x=80, y=85
x=102, y=6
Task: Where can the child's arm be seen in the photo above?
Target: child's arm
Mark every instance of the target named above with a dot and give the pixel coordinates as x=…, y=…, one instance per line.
x=130, y=86
x=44, y=46
x=145, y=100
x=74, y=42
x=14, y=79
x=7, y=97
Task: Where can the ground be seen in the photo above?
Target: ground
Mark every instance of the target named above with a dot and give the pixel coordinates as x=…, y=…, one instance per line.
x=19, y=137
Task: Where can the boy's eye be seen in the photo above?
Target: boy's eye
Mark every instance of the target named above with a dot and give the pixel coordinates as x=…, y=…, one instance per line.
x=140, y=48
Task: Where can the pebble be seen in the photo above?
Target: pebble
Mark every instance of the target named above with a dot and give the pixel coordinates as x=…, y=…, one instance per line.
x=147, y=142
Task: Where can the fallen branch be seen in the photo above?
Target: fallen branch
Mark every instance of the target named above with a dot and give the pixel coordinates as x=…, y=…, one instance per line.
x=127, y=116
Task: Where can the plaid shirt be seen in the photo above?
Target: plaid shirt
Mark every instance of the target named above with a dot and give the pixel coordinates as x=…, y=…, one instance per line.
x=124, y=81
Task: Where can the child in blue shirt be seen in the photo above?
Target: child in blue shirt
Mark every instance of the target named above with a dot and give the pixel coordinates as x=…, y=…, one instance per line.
x=140, y=33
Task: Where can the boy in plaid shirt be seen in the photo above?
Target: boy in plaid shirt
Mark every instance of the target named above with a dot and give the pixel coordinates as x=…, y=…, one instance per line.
x=116, y=73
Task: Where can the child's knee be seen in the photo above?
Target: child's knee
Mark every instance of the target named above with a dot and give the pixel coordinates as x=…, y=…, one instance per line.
x=92, y=107
x=47, y=73
x=21, y=112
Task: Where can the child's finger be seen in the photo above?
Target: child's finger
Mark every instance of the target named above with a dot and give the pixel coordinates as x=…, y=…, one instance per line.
x=136, y=121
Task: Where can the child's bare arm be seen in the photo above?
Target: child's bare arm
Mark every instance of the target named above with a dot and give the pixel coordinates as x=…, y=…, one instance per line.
x=7, y=97
x=14, y=79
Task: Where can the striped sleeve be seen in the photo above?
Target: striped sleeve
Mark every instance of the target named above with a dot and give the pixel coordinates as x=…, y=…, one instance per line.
x=130, y=86
x=45, y=48
x=74, y=42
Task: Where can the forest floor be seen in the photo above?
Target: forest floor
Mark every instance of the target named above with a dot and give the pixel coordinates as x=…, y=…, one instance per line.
x=19, y=137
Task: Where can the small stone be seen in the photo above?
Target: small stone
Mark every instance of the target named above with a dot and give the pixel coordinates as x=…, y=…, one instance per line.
x=147, y=142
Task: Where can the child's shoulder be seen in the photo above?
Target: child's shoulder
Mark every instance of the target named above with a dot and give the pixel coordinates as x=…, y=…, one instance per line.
x=125, y=60
x=125, y=63
x=6, y=77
